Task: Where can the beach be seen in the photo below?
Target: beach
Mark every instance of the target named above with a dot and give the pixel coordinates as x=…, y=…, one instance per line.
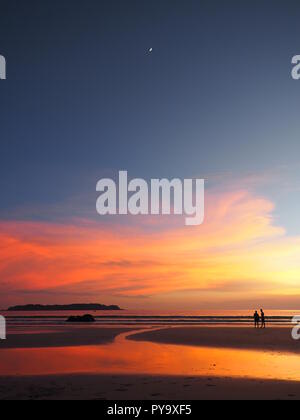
x=178, y=363
x=60, y=337
x=133, y=388
x=247, y=338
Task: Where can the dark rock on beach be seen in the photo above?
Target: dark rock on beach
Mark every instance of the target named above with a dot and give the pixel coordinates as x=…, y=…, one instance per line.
x=84, y=319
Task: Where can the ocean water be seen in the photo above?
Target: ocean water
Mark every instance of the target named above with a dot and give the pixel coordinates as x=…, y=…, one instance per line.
x=150, y=317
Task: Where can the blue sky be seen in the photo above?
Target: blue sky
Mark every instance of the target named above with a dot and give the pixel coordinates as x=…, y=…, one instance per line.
x=85, y=98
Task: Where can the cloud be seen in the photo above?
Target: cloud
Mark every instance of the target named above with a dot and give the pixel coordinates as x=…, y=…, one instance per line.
x=237, y=251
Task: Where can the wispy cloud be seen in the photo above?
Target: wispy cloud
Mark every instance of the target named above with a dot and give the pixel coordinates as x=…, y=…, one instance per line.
x=238, y=251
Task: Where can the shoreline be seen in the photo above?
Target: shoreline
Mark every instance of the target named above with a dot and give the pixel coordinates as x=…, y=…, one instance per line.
x=272, y=339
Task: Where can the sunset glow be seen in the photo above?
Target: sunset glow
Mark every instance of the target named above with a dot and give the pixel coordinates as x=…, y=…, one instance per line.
x=236, y=255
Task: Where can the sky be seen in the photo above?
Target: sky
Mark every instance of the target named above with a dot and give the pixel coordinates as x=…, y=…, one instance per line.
x=84, y=98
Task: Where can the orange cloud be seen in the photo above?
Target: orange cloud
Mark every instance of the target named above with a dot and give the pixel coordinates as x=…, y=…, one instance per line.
x=238, y=252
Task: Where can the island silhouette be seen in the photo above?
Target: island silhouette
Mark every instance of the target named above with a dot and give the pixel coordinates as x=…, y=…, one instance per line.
x=72, y=307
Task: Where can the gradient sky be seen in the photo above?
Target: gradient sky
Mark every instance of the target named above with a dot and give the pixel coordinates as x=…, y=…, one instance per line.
x=85, y=99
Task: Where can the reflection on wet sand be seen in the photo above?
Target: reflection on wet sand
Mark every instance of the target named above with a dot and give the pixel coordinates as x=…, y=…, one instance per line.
x=128, y=357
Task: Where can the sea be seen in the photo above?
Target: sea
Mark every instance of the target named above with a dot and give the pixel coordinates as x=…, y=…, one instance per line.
x=150, y=317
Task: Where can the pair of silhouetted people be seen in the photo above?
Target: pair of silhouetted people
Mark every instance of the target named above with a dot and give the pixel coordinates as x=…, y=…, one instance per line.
x=260, y=321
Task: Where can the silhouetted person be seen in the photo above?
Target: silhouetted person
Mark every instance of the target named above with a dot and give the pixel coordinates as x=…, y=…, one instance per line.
x=256, y=320
x=263, y=319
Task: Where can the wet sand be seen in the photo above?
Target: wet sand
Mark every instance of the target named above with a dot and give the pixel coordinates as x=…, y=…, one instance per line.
x=116, y=387
x=208, y=384
x=277, y=339
x=62, y=337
